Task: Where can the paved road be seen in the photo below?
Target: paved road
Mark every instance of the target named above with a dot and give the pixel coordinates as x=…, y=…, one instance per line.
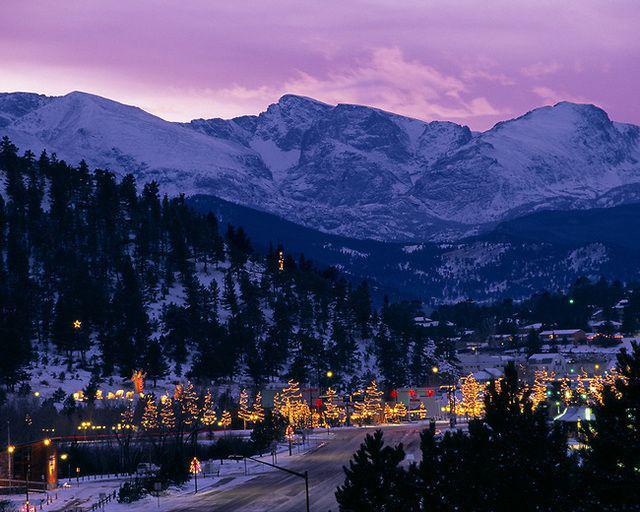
x=279, y=492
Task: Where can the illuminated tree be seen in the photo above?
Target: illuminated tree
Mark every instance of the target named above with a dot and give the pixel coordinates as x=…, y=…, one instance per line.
x=289, y=404
x=150, y=415
x=581, y=388
x=389, y=413
x=422, y=412
x=400, y=411
x=188, y=401
x=209, y=416
x=539, y=390
x=243, y=411
x=608, y=381
x=257, y=411
x=370, y=408
x=167, y=416
x=126, y=416
x=472, y=397
x=566, y=391
x=331, y=411
x=225, y=420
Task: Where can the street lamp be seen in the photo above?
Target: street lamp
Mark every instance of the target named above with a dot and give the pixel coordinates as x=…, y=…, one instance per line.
x=435, y=369
x=47, y=441
x=65, y=457
x=329, y=374
x=10, y=450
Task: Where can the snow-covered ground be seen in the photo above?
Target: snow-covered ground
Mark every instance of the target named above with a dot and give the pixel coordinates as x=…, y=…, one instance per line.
x=230, y=473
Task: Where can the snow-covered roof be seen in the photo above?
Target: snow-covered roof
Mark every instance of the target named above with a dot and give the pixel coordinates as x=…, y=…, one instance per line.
x=560, y=332
x=488, y=374
x=602, y=323
x=545, y=357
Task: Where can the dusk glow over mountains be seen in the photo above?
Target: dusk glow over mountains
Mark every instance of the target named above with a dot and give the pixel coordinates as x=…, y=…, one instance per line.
x=462, y=61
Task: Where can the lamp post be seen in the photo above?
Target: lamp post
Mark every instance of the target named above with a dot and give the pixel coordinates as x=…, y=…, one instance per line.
x=26, y=487
x=10, y=450
x=304, y=475
x=65, y=457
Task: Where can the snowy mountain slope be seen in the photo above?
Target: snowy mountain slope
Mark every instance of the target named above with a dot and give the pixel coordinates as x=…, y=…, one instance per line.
x=551, y=157
x=543, y=250
x=126, y=139
x=347, y=169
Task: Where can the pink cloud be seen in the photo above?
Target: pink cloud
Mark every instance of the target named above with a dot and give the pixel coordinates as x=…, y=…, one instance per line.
x=540, y=69
x=469, y=61
x=550, y=96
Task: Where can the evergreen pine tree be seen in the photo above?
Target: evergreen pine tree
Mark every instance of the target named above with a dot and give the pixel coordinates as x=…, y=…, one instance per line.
x=374, y=481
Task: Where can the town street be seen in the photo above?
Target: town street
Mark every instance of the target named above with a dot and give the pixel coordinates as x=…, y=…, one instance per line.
x=277, y=491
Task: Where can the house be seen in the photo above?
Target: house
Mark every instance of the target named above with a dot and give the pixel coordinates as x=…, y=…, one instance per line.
x=424, y=321
x=555, y=363
x=526, y=329
x=472, y=363
x=564, y=335
x=488, y=374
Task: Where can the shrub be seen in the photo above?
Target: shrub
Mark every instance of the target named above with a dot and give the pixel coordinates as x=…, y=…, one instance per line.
x=131, y=491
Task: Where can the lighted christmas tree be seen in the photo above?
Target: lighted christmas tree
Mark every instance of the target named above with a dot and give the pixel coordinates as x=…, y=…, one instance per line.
x=167, y=416
x=225, y=420
x=400, y=411
x=599, y=383
x=581, y=388
x=332, y=412
x=150, y=415
x=472, y=404
x=422, y=412
x=566, y=391
x=257, y=411
x=289, y=404
x=389, y=413
x=208, y=412
x=190, y=406
x=244, y=413
x=370, y=408
x=126, y=419
x=539, y=389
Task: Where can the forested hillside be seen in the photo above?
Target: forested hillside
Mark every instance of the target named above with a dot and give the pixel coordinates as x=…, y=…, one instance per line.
x=103, y=277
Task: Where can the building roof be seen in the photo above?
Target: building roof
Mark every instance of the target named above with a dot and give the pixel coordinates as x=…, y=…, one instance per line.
x=561, y=332
x=541, y=358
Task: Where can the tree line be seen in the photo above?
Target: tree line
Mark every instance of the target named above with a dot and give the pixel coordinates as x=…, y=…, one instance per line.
x=113, y=277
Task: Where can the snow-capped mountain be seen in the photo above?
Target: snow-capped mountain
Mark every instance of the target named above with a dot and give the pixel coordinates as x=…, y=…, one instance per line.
x=346, y=169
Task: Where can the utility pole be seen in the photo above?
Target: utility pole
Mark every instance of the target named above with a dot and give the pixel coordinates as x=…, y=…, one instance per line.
x=9, y=455
x=27, y=480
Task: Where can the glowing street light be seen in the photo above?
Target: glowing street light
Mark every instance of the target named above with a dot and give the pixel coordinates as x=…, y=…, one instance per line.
x=11, y=448
x=47, y=441
x=329, y=374
x=435, y=369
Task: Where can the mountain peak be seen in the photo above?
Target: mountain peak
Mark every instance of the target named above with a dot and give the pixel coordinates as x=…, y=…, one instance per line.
x=295, y=99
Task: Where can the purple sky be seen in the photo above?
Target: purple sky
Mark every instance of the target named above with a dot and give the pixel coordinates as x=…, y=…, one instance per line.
x=464, y=61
